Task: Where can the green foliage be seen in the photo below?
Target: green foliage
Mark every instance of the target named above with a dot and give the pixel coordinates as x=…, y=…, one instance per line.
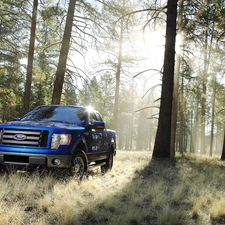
x=201, y=68
x=100, y=28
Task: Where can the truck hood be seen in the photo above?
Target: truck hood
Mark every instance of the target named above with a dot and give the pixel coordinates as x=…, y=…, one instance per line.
x=43, y=125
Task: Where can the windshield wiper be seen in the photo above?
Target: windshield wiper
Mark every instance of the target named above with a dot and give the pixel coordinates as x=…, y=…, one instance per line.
x=55, y=121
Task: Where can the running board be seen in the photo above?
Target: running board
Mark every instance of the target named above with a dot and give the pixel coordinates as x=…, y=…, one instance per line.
x=93, y=166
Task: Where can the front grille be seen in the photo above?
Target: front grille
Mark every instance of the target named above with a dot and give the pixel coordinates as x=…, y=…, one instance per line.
x=37, y=138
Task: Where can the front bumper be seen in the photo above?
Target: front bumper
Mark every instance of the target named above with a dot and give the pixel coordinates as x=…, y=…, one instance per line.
x=34, y=160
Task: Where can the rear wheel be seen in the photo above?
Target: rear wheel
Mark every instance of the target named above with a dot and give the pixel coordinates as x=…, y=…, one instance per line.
x=79, y=165
x=109, y=163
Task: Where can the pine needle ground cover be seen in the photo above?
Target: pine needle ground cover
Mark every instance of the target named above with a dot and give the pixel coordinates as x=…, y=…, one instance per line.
x=189, y=189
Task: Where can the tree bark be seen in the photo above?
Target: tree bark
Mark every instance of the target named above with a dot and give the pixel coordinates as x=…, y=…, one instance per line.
x=176, y=82
x=60, y=72
x=163, y=134
x=174, y=108
x=27, y=93
x=118, y=71
x=223, y=150
x=213, y=117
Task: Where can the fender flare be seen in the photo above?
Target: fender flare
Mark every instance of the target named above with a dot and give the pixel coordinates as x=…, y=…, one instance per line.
x=81, y=141
x=113, y=146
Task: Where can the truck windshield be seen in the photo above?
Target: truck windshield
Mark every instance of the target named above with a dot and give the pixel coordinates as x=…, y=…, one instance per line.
x=64, y=114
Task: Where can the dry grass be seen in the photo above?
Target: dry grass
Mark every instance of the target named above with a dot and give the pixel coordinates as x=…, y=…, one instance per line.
x=186, y=190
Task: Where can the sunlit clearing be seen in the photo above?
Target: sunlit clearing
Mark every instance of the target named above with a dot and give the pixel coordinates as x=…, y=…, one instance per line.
x=195, y=144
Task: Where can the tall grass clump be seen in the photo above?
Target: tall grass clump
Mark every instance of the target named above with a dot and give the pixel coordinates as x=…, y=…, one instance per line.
x=217, y=210
x=14, y=215
x=171, y=215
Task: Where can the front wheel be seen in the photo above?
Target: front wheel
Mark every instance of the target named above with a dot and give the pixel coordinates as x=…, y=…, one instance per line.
x=79, y=165
x=109, y=163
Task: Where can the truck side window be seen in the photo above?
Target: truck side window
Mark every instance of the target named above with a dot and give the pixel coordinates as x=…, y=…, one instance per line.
x=99, y=118
x=92, y=117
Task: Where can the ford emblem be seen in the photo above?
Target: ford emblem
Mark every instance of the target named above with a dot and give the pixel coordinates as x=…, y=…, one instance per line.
x=20, y=137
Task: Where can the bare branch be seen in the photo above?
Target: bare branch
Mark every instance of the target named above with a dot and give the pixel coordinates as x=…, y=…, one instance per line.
x=147, y=107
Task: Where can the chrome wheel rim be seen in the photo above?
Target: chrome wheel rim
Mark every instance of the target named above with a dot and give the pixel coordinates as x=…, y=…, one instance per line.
x=78, y=166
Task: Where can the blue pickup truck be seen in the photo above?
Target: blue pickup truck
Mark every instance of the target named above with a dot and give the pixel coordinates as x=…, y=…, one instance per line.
x=58, y=136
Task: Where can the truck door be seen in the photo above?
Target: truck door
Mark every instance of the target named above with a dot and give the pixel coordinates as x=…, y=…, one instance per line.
x=104, y=133
x=97, y=135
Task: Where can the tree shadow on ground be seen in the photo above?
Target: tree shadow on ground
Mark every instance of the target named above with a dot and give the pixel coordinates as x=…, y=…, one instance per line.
x=144, y=200
x=164, y=192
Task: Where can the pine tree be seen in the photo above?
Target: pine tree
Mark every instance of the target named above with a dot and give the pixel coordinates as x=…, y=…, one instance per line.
x=163, y=135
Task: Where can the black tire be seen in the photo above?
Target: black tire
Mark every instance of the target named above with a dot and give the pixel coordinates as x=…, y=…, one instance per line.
x=109, y=163
x=79, y=165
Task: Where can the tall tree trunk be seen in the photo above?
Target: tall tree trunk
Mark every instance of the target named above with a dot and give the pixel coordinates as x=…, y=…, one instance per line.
x=204, y=81
x=182, y=123
x=213, y=117
x=60, y=72
x=176, y=81
x=116, y=104
x=223, y=150
x=219, y=137
x=207, y=58
x=27, y=93
x=163, y=134
x=175, y=102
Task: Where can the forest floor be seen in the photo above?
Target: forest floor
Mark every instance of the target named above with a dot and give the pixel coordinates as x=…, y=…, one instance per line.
x=188, y=189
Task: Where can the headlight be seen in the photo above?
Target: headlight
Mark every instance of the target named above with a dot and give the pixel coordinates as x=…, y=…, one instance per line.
x=60, y=139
